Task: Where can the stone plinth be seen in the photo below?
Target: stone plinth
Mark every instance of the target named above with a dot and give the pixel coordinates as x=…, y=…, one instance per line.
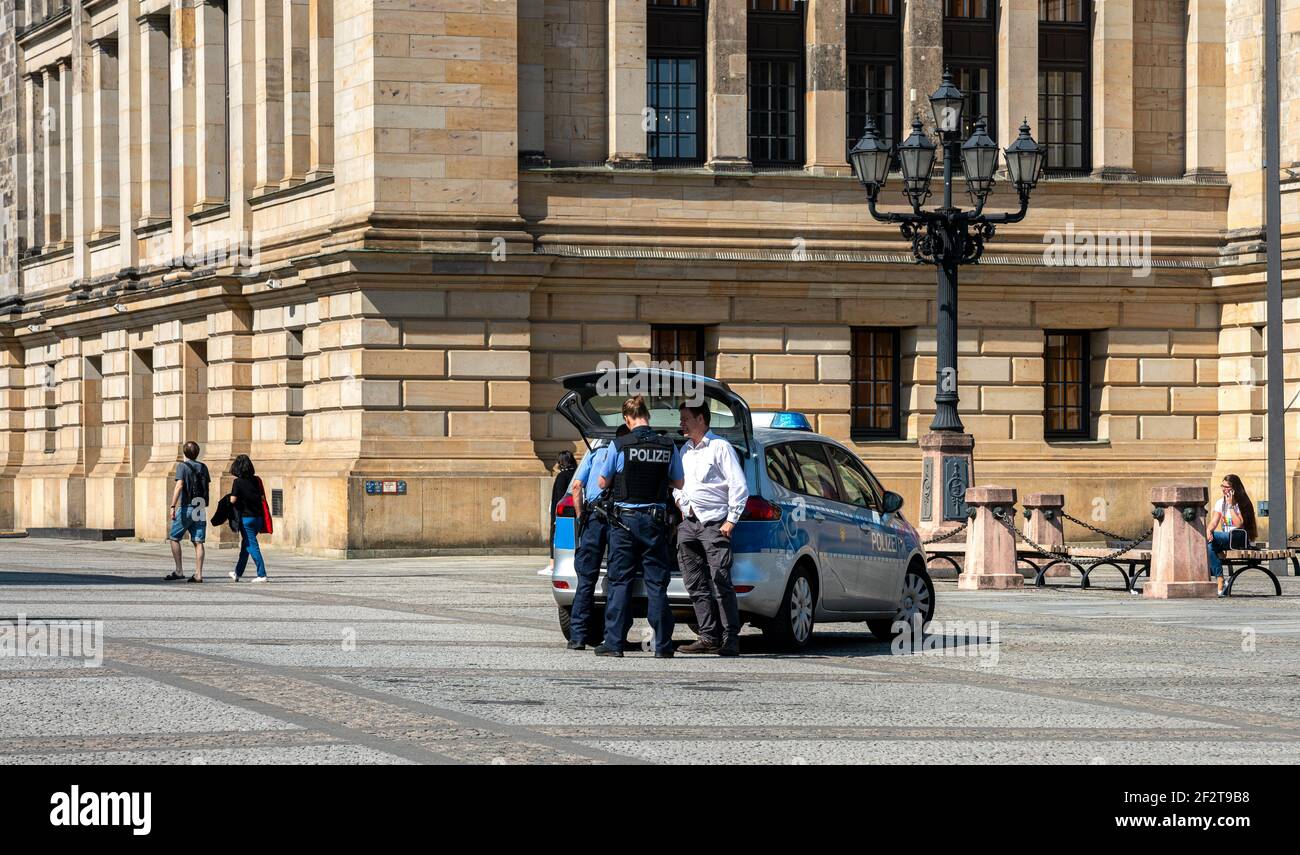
x=990, y=545
x=1180, y=566
x=1044, y=525
x=946, y=470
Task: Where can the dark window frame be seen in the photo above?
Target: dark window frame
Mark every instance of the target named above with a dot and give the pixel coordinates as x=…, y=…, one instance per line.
x=777, y=37
x=669, y=28
x=794, y=447
x=678, y=330
x=863, y=432
x=961, y=36
x=873, y=39
x=876, y=500
x=1084, y=431
x=1067, y=46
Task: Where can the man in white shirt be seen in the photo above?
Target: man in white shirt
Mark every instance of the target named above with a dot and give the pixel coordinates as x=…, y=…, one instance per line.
x=712, y=499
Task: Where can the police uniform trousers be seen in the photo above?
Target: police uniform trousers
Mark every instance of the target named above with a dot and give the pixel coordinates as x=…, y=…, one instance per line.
x=643, y=546
x=586, y=564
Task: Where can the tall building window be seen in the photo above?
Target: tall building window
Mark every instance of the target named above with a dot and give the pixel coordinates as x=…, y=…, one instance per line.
x=776, y=82
x=675, y=80
x=970, y=53
x=1067, y=414
x=680, y=344
x=1065, y=83
x=874, y=88
x=875, y=383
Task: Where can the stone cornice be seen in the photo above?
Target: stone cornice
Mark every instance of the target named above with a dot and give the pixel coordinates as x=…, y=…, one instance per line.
x=41, y=29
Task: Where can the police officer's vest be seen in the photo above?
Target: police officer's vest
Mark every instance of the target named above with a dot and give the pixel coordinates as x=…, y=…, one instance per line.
x=646, y=457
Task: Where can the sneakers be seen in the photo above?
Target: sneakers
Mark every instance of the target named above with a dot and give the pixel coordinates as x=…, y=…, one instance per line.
x=603, y=650
x=232, y=576
x=260, y=579
x=664, y=654
x=701, y=646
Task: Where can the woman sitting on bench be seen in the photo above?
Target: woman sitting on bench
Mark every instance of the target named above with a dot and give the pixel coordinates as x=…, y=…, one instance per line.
x=1232, y=525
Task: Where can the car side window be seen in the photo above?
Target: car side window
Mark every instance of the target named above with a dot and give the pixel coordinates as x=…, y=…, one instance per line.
x=782, y=470
x=857, y=488
x=815, y=469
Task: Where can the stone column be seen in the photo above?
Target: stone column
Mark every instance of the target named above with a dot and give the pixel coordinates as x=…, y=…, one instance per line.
x=1206, y=144
x=184, y=126
x=947, y=468
x=105, y=143
x=211, y=142
x=229, y=392
x=1017, y=84
x=109, y=487
x=268, y=28
x=68, y=122
x=1044, y=525
x=1112, y=89
x=727, y=97
x=990, y=545
x=129, y=129
x=243, y=121
x=34, y=108
x=155, y=120
x=297, y=92
x=321, y=69
x=626, y=83
x=532, y=79
x=52, y=168
x=277, y=355
x=11, y=427
x=922, y=59
x=824, y=101
x=1180, y=564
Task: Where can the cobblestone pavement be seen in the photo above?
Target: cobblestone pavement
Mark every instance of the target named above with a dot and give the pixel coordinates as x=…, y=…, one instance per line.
x=460, y=660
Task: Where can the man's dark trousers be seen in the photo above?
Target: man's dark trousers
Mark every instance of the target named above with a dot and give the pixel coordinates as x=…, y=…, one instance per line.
x=704, y=556
x=643, y=545
x=586, y=564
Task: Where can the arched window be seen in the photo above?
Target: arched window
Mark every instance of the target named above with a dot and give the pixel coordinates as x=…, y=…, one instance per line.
x=873, y=37
x=776, y=82
x=1065, y=83
x=970, y=53
x=675, y=84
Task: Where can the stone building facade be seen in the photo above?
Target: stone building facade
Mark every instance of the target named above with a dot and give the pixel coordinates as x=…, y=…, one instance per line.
x=357, y=241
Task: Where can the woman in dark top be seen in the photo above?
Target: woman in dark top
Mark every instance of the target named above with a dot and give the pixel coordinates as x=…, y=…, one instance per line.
x=246, y=496
x=567, y=464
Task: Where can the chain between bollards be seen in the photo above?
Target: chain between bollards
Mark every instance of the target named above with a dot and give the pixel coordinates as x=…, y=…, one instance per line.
x=958, y=530
x=1006, y=520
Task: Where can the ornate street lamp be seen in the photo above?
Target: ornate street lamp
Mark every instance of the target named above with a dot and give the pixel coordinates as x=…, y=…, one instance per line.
x=947, y=236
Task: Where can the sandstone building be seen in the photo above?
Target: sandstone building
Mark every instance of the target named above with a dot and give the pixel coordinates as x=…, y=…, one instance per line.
x=356, y=240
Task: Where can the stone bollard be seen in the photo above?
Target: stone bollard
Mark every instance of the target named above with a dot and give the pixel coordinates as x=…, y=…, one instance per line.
x=1045, y=526
x=990, y=545
x=1180, y=566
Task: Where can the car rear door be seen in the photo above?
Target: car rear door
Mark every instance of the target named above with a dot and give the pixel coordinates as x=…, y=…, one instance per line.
x=876, y=578
x=828, y=521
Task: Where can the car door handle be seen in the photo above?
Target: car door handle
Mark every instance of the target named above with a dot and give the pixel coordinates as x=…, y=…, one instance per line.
x=818, y=517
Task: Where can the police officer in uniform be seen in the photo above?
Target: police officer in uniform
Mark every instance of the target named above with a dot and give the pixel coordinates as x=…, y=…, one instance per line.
x=593, y=537
x=646, y=464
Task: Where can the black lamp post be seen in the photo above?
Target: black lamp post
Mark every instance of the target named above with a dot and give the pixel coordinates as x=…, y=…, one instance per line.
x=947, y=236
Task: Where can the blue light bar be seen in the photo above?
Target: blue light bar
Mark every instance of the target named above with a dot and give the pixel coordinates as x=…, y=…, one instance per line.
x=789, y=420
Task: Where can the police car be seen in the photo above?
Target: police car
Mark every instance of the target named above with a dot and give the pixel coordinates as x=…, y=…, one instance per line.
x=820, y=540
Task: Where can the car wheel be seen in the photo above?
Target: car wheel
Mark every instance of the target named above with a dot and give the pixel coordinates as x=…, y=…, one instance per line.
x=917, y=599
x=792, y=627
x=595, y=625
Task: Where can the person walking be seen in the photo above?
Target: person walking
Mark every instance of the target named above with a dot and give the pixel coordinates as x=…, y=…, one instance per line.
x=189, y=511
x=1231, y=525
x=712, y=500
x=565, y=465
x=248, y=498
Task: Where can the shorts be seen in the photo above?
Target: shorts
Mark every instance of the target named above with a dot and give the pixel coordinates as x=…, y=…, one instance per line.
x=187, y=520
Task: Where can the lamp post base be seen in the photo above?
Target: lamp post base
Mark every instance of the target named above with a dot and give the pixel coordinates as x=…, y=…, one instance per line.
x=947, y=469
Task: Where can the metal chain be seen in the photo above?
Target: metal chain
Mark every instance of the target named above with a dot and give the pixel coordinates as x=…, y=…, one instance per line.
x=1112, y=535
x=1005, y=519
x=938, y=537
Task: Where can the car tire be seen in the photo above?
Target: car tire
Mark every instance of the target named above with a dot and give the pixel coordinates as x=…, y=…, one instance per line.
x=918, y=597
x=595, y=625
x=792, y=627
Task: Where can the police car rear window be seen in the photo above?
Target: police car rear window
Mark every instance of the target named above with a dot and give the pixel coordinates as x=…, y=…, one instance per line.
x=608, y=410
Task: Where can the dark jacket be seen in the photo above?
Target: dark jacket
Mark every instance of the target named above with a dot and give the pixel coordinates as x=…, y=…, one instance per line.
x=225, y=514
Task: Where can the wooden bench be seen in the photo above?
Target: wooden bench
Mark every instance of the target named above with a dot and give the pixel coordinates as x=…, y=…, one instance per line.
x=1137, y=561
x=1254, y=559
